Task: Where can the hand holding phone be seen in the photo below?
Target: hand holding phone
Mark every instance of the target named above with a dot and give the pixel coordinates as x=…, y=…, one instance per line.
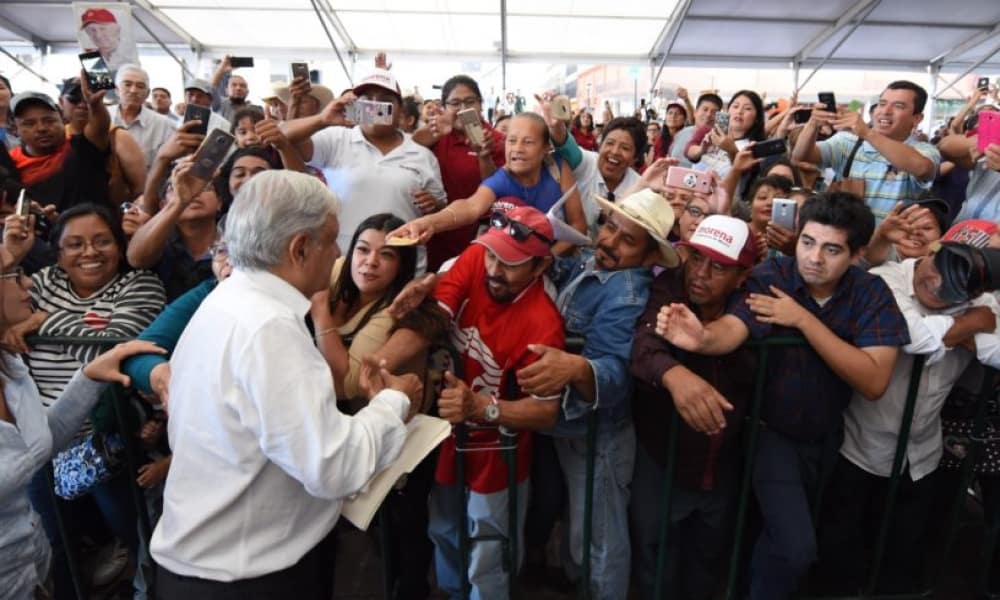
x=784, y=212
x=211, y=154
x=239, y=62
x=829, y=100
x=802, y=115
x=688, y=179
x=983, y=84
x=195, y=112
x=469, y=118
x=370, y=112
x=299, y=69
x=768, y=148
x=989, y=129
x=98, y=75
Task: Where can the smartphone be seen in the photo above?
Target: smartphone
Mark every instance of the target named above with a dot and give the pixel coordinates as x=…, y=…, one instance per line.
x=722, y=121
x=196, y=112
x=239, y=62
x=469, y=118
x=561, y=108
x=23, y=205
x=688, y=179
x=314, y=76
x=829, y=100
x=983, y=84
x=783, y=212
x=370, y=112
x=989, y=129
x=299, y=69
x=211, y=153
x=768, y=148
x=99, y=76
x=802, y=116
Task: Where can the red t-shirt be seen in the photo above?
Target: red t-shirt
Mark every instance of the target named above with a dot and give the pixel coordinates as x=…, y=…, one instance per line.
x=492, y=339
x=461, y=178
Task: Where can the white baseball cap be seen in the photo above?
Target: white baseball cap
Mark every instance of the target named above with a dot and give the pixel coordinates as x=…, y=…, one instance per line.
x=726, y=240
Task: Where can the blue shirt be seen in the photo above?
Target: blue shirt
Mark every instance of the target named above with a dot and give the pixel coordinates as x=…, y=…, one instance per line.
x=803, y=398
x=603, y=308
x=981, y=195
x=542, y=195
x=884, y=184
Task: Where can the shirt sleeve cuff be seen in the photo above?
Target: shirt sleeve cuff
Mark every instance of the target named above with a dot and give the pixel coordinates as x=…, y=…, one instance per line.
x=396, y=400
x=574, y=405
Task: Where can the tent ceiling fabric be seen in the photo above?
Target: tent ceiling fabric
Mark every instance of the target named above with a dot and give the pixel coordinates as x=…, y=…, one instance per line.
x=895, y=33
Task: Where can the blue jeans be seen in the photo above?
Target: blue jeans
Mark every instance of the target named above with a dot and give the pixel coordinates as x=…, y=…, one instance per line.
x=786, y=479
x=487, y=516
x=610, y=550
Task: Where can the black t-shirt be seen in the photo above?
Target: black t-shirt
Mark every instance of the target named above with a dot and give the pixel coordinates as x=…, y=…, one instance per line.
x=81, y=177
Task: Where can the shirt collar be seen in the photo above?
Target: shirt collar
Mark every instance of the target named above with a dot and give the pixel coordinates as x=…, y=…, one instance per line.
x=798, y=285
x=275, y=287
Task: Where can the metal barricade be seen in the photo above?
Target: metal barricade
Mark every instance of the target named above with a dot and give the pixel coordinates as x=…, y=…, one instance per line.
x=131, y=453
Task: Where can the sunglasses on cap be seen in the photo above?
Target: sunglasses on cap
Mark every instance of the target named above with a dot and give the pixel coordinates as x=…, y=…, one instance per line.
x=515, y=229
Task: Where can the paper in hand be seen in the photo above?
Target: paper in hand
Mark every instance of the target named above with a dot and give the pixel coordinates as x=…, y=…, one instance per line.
x=562, y=230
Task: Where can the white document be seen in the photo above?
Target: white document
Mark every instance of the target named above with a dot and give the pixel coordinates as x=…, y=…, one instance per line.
x=423, y=434
x=562, y=229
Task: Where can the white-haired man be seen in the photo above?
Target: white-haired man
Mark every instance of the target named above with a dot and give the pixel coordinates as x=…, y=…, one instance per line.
x=147, y=126
x=262, y=457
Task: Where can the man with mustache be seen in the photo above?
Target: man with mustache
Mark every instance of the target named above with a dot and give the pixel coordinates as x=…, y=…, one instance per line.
x=601, y=294
x=710, y=394
x=853, y=330
x=147, y=126
x=495, y=296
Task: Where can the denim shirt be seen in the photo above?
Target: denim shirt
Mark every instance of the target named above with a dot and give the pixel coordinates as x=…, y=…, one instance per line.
x=603, y=308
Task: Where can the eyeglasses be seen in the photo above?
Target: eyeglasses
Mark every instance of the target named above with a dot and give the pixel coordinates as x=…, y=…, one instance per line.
x=695, y=212
x=698, y=260
x=463, y=102
x=17, y=273
x=515, y=229
x=219, y=250
x=76, y=246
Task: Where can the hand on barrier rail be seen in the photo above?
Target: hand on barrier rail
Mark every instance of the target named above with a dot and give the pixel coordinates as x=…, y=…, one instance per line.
x=698, y=403
x=107, y=366
x=375, y=378
x=458, y=403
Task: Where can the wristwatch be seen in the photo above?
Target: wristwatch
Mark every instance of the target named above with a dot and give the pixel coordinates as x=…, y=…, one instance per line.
x=492, y=411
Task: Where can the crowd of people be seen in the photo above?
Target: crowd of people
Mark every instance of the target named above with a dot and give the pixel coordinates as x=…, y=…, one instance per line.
x=288, y=305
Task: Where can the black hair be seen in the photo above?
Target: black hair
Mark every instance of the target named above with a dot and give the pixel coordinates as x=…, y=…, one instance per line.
x=221, y=181
x=6, y=82
x=667, y=138
x=634, y=127
x=457, y=80
x=710, y=97
x=101, y=212
x=785, y=162
x=578, y=122
x=506, y=117
x=256, y=115
x=841, y=210
x=919, y=93
x=347, y=291
x=778, y=182
x=162, y=89
x=756, y=132
x=411, y=108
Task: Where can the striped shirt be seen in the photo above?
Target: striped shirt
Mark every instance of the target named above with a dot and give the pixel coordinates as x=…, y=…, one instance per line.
x=884, y=184
x=122, y=308
x=982, y=197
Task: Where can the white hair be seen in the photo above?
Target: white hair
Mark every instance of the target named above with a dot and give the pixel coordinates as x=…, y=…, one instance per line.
x=130, y=68
x=271, y=209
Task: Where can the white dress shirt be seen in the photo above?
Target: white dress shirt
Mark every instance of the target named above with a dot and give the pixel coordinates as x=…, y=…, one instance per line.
x=369, y=182
x=150, y=129
x=262, y=457
x=871, y=429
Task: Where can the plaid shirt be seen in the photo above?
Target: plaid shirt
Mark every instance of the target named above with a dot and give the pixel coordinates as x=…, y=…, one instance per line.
x=884, y=184
x=804, y=399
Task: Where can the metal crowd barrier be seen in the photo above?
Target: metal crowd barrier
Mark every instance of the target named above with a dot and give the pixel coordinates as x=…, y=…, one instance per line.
x=132, y=453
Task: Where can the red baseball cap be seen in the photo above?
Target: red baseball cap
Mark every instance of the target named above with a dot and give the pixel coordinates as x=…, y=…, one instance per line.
x=97, y=15
x=524, y=232
x=974, y=232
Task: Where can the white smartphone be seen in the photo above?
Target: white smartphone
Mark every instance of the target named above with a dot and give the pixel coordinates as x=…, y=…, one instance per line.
x=469, y=118
x=784, y=212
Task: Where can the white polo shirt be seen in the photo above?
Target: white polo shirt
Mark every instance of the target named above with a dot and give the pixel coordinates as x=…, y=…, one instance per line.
x=369, y=182
x=151, y=130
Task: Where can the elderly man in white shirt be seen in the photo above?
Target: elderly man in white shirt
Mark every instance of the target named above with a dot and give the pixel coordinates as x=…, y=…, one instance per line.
x=148, y=127
x=952, y=320
x=373, y=168
x=262, y=457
